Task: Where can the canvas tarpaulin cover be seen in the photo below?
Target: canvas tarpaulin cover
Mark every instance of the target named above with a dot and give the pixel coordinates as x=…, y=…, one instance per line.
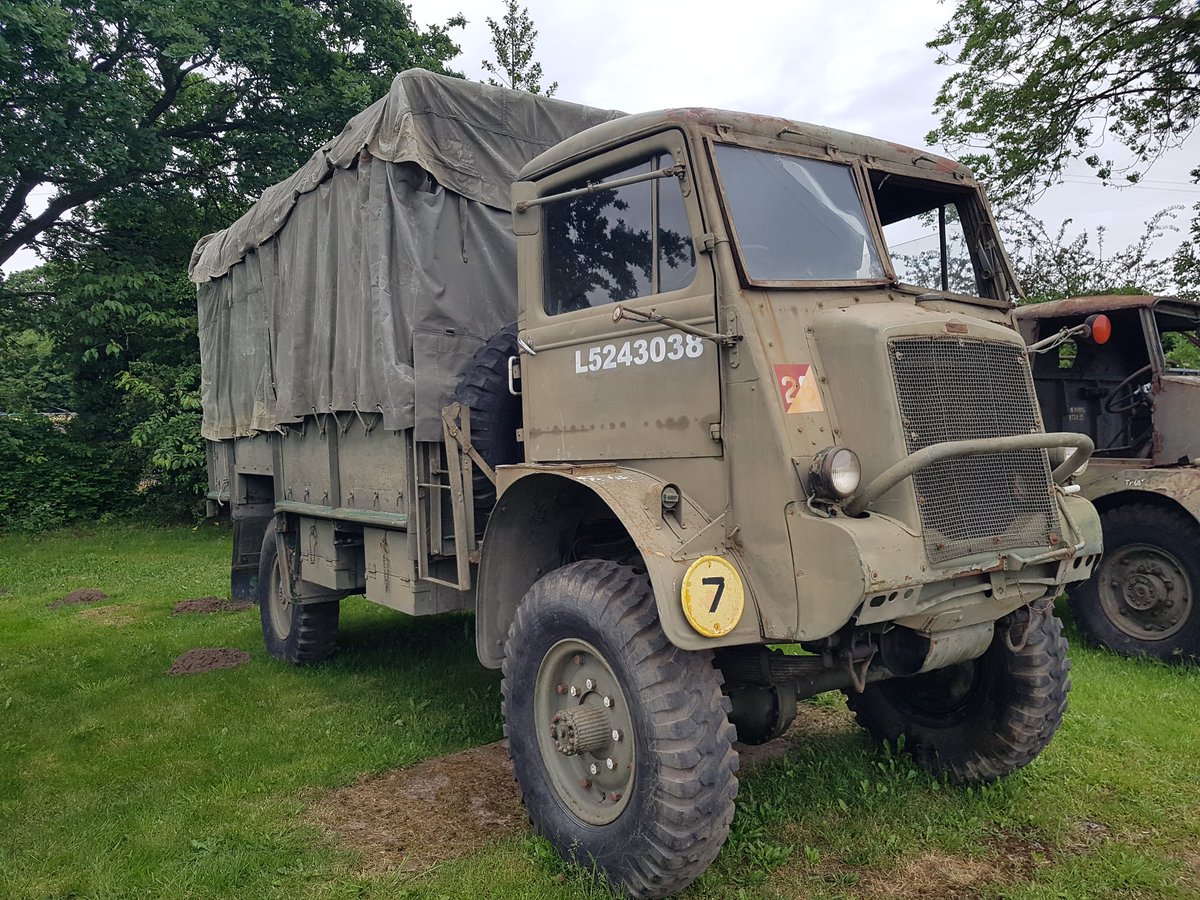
x=366, y=280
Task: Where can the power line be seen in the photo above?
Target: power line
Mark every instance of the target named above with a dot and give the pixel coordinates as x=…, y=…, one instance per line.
x=1146, y=186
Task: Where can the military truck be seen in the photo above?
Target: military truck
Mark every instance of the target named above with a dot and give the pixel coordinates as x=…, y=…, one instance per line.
x=648, y=394
x=1133, y=386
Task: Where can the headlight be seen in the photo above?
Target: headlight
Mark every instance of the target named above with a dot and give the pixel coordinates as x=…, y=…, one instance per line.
x=835, y=473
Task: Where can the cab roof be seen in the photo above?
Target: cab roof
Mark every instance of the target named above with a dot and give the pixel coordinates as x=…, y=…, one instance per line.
x=1075, y=307
x=707, y=120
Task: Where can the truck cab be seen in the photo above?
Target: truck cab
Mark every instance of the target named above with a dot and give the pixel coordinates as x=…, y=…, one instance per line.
x=1136, y=394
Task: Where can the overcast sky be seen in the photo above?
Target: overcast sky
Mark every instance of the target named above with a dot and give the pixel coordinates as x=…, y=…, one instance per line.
x=859, y=65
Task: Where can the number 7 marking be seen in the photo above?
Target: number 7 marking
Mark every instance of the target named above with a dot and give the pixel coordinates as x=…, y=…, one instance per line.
x=719, y=581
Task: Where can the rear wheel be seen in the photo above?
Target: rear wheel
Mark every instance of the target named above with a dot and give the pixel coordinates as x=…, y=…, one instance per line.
x=299, y=633
x=1141, y=600
x=984, y=718
x=620, y=741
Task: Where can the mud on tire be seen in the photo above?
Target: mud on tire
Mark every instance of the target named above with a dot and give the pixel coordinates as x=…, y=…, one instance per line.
x=1142, y=600
x=681, y=792
x=983, y=719
x=302, y=634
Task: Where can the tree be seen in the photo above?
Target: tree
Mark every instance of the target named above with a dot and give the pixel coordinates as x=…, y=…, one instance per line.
x=513, y=40
x=1044, y=82
x=186, y=94
x=151, y=123
x=1053, y=266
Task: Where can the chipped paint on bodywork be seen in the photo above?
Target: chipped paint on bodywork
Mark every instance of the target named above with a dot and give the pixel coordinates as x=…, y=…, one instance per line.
x=1179, y=483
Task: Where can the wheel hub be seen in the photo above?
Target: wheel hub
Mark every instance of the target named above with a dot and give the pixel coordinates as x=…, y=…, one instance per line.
x=279, y=603
x=1145, y=591
x=585, y=732
x=584, y=729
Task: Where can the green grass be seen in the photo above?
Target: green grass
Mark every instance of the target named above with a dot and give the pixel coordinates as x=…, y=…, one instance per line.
x=119, y=781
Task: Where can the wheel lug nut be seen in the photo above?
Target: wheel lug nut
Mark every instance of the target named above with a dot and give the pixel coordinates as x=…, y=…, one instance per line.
x=589, y=684
x=614, y=796
x=608, y=762
x=574, y=691
x=577, y=659
x=608, y=701
x=585, y=783
x=562, y=689
x=616, y=735
x=594, y=769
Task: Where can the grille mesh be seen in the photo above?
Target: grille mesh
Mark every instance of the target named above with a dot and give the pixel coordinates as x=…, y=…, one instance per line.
x=957, y=389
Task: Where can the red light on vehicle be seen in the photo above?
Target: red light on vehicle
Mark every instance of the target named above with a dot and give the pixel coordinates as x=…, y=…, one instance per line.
x=1101, y=328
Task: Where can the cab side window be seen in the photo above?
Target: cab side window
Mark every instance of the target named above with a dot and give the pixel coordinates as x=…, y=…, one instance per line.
x=616, y=245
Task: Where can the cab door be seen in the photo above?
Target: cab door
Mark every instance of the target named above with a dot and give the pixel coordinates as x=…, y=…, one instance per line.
x=598, y=389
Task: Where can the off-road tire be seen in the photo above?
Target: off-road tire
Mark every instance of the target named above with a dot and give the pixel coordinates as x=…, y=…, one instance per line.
x=495, y=414
x=681, y=802
x=1009, y=703
x=1173, y=533
x=311, y=634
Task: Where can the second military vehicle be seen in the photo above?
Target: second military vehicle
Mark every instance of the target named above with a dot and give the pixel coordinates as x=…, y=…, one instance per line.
x=647, y=393
x=1134, y=388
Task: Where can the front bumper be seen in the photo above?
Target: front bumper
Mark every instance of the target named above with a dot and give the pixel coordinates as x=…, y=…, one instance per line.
x=897, y=583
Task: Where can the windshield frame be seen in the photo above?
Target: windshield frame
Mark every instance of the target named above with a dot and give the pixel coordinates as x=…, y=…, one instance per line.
x=833, y=156
x=1153, y=325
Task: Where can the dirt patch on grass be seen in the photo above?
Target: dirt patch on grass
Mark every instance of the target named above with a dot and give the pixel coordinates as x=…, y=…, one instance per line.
x=76, y=597
x=106, y=615
x=208, y=605
x=935, y=875
x=453, y=806
x=932, y=875
x=208, y=659
x=439, y=809
x=813, y=720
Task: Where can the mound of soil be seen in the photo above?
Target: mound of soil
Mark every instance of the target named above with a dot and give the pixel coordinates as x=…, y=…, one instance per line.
x=206, y=605
x=81, y=595
x=416, y=817
x=208, y=659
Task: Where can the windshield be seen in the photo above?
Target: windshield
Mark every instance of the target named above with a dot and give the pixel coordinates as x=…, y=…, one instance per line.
x=1180, y=335
x=796, y=219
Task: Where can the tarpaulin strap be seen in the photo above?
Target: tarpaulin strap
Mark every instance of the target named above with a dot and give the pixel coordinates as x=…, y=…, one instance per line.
x=463, y=207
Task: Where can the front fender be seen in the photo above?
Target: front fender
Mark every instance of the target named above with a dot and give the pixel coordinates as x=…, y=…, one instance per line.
x=536, y=515
x=1178, y=484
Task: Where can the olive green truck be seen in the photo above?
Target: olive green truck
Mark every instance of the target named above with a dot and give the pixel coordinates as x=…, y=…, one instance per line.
x=648, y=393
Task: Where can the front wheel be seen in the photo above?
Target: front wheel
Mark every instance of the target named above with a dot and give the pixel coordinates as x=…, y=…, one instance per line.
x=299, y=633
x=620, y=741
x=982, y=719
x=1141, y=600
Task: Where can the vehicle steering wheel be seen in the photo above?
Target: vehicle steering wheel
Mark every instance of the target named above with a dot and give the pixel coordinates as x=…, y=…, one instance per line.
x=1124, y=397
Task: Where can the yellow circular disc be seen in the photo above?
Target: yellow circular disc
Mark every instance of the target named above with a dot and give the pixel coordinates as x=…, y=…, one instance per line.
x=713, y=596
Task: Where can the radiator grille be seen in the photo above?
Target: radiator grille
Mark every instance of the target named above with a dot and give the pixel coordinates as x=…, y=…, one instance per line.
x=956, y=389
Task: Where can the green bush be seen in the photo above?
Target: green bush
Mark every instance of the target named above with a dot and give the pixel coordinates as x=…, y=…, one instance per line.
x=50, y=476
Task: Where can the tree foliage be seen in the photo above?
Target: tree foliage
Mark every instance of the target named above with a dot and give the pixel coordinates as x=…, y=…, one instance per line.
x=151, y=123
x=513, y=40
x=1044, y=82
x=1053, y=265
x=98, y=95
